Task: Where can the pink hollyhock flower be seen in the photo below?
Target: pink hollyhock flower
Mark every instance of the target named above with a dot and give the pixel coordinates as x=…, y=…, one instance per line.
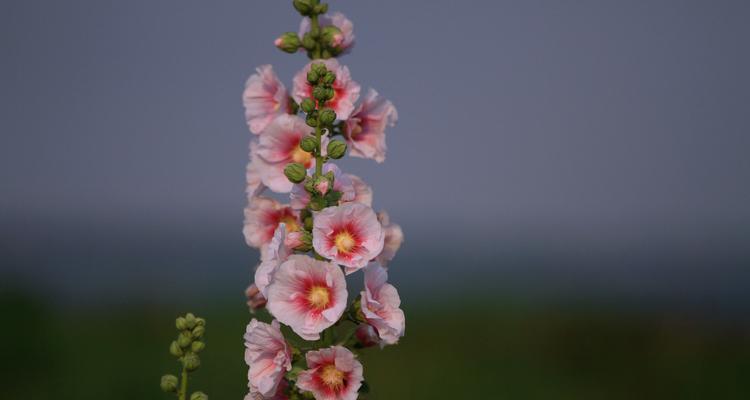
x=341, y=183
x=262, y=216
x=278, y=146
x=253, y=182
x=308, y=295
x=255, y=299
x=349, y=234
x=344, y=41
x=268, y=356
x=380, y=305
x=362, y=191
x=265, y=97
x=365, y=130
x=333, y=374
x=346, y=90
x=394, y=236
x=279, y=395
x=275, y=253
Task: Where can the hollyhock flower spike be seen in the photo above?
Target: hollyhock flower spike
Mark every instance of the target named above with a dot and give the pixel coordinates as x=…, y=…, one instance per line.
x=349, y=235
x=308, y=295
x=343, y=40
x=365, y=130
x=265, y=97
x=380, y=305
x=394, y=236
x=262, y=216
x=346, y=91
x=268, y=356
x=333, y=374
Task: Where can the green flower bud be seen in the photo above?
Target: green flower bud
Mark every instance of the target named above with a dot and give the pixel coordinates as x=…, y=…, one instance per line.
x=308, y=105
x=189, y=320
x=308, y=42
x=320, y=93
x=306, y=239
x=184, y=339
x=312, y=77
x=198, y=396
x=191, y=361
x=308, y=144
x=303, y=6
x=329, y=78
x=326, y=54
x=320, y=68
x=330, y=93
x=317, y=203
x=175, y=349
x=200, y=321
x=169, y=383
x=180, y=323
x=327, y=116
x=308, y=223
x=197, y=347
x=288, y=42
x=295, y=172
x=336, y=149
x=198, y=332
x=292, y=107
x=321, y=8
x=312, y=119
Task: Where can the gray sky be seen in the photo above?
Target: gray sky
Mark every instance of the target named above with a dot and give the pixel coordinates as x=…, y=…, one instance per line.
x=589, y=117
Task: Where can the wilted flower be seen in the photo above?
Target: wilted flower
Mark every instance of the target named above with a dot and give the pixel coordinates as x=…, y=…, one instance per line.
x=278, y=146
x=349, y=234
x=341, y=183
x=346, y=91
x=367, y=335
x=255, y=299
x=276, y=252
x=344, y=41
x=365, y=130
x=308, y=295
x=333, y=374
x=265, y=97
x=268, y=356
x=380, y=305
x=394, y=236
x=362, y=191
x=262, y=216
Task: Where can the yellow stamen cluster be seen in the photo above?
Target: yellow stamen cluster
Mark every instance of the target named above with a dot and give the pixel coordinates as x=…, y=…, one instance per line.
x=344, y=242
x=332, y=377
x=319, y=297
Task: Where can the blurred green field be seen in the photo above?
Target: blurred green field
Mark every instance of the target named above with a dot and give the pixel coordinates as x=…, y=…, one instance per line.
x=477, y=349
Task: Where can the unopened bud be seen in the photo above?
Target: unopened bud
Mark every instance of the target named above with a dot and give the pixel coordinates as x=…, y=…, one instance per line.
x=169, y=383
x=308, y=42
x=175, y=349
x=312, y=76
x=302, y=6
x=197, y=347
x=189, y=320
x=322, y=185
x=308, y=144
x=308, y=105
x=327, y=116
x=295, y=172
x=321, y=8
x=198, y=332
x=320, y=68
x=288, y=42
x=332, y=36
x=299, y=240
x=198, y=396
x=308, y=223
x=191, y=361
x=367, y=336
x=312, y=119
x=180, y=323
x=329, y=78
x=320, y=93
x=184, y=339
x=200, y=321
x=336, y=149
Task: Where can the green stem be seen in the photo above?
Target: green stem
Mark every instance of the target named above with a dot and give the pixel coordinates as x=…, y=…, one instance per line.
x=318, y=155
x=315, y=32
x=182, y=394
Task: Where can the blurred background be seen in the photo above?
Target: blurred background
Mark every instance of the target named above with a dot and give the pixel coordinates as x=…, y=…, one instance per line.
x=573, y=180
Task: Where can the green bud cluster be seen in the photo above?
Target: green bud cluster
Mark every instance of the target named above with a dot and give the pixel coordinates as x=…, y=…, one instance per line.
x=185, y=347
x=319, y=42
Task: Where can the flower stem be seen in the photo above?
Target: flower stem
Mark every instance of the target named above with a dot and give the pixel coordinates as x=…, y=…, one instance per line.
x=319, y=154
x=182, y=394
